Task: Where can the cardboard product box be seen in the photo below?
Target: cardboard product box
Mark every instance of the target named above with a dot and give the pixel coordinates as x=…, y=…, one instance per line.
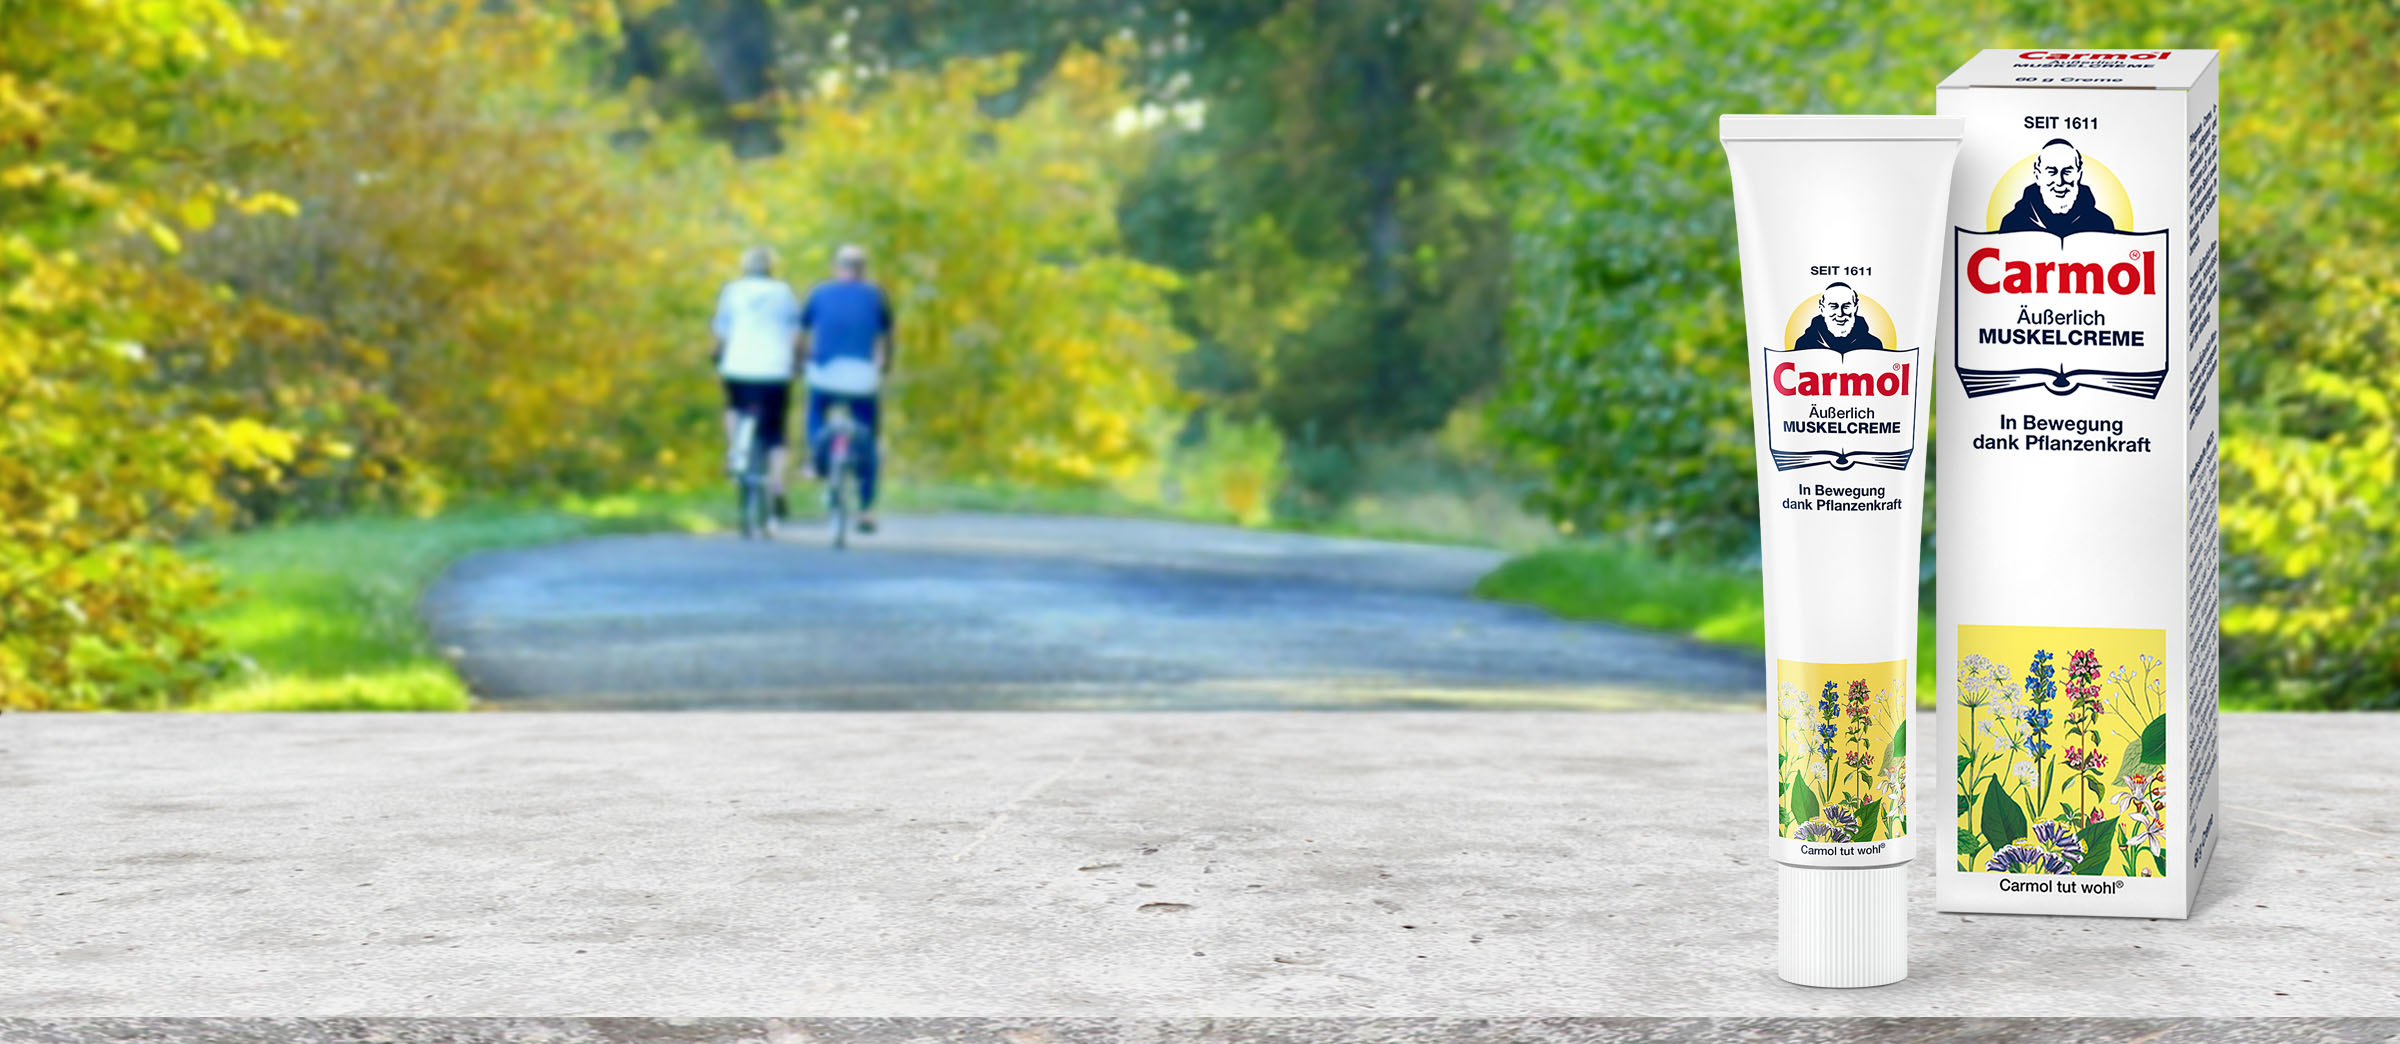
x=2076, y=466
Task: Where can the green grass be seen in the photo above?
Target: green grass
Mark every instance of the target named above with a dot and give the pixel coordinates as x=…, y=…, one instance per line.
x=323, y=615
x=1607, y=581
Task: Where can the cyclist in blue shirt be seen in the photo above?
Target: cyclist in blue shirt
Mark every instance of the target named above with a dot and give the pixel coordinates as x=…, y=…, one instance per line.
x=846, y=336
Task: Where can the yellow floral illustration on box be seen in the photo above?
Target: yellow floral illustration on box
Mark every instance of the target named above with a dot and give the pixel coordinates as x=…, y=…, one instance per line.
x=2062, y=751
x=1841, y=750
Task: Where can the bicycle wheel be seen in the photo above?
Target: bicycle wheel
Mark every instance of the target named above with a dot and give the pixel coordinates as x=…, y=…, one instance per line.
x=837, y=513
x=837, y=499
x=754, y=508
x=749, y=478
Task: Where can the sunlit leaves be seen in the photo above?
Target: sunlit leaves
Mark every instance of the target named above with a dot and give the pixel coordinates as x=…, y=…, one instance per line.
x=1627, y=378
x=368, y=254
x=1031, y=347
x=104, y=454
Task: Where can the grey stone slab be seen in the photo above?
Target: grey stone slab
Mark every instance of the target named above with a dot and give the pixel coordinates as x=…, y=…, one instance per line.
x=1026, y=864
x=1197, y=1031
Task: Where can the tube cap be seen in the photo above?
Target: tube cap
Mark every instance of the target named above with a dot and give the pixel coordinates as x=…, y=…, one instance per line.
x=1842, y=928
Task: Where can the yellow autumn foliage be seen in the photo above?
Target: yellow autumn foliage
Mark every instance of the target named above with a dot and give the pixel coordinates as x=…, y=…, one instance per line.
x=537, y=295
x=108, y=447
x=511, y=285
x=318, y=256
x=1032, y=349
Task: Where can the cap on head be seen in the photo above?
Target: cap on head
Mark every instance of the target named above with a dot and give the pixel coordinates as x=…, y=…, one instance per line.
x=850, y=257
x=758, y=261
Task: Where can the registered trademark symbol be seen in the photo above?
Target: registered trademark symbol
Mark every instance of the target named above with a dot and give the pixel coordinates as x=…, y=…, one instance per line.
x=2133, y=255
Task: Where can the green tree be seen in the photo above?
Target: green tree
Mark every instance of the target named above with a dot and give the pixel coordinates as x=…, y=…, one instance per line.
x=102, y=454
x=1627, y=383
x=1032, y=348
x=1320, y=180
x=1355, y=271
x=1627, y=389
x=2311, y=356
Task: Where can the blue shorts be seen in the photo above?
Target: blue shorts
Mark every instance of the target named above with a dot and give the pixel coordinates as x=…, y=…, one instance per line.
x=866, y=412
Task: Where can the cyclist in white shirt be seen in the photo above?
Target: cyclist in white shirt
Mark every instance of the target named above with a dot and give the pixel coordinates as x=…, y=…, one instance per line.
x=757, y=327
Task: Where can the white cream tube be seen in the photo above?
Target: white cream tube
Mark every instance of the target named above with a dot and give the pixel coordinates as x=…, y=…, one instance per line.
x=1841, y=221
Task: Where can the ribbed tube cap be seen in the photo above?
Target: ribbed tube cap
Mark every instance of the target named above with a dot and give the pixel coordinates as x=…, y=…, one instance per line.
x=1842, y=927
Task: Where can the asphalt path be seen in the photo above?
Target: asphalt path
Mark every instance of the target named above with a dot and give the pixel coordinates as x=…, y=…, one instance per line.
x=969, y=611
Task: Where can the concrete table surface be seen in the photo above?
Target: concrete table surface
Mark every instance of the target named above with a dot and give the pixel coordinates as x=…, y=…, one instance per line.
x=1087, y=1030
x=1162, y=865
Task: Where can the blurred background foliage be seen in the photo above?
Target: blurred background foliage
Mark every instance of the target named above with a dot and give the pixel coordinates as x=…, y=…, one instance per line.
x=1037, y=349
x=103, y=149
x=1307, y=262
x=1622, y=393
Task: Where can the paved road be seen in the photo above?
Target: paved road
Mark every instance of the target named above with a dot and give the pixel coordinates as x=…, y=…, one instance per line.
x=984, y=612
x=1165, y=865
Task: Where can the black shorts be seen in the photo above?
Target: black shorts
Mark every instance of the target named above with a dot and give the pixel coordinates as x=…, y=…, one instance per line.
x=771, y=400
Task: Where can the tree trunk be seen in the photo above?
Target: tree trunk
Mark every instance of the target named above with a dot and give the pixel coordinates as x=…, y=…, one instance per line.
x=739, y=38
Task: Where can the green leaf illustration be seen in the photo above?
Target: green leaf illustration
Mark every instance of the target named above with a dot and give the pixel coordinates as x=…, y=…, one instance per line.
x=1804, y=800
x=1899, y=746
x=2130, y=761
x=1969, y=846
x=1870, y=816
x=1783, y=818
x=2003, y=821
x=1965, y=802
x=2098, y=841
x=1963, y=762
x=2154, y=741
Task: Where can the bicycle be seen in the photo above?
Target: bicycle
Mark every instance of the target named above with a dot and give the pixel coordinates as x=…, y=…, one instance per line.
x=756, y=499
x=842, y=435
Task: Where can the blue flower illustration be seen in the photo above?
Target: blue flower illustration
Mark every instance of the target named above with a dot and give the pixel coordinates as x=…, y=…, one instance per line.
x=2041, y=685
x=2022, y=858
x=2041, y=680
x=1833, y=823
x=2059, y=839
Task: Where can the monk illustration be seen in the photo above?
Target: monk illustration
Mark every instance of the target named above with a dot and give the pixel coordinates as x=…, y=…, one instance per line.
x=1837, y=324
x=2058, y=202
